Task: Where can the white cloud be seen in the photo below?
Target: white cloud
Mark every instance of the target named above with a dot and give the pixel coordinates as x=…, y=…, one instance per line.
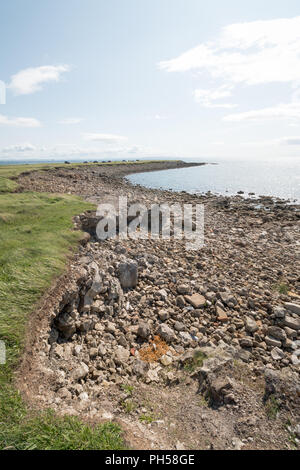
x=208, y=98
x=247, y=53
x=280, y=111
x=30, y=80
x=104, y=138
x=70, y=121
x=19, y=148
x=19, y=121
x=78, y=152
x=290, y=141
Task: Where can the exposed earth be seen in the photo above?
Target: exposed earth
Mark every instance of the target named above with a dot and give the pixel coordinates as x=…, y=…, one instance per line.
x=186, y=349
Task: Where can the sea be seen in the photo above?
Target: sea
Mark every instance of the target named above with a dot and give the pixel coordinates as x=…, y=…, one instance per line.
x=277, y=177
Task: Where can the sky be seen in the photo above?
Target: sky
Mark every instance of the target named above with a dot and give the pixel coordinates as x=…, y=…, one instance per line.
x=149, y=78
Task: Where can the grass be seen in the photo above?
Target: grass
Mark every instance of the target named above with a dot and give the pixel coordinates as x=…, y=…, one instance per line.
x=148, y=419
x=7, y=185
x=282, y=288
x=10, y=171
x=129, y=406
x=128, y=389
x=272, y=407
x=195, y=362
x=36, y=235
x=50, y=432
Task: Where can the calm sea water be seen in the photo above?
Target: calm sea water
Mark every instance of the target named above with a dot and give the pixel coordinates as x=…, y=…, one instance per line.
x=280, y=178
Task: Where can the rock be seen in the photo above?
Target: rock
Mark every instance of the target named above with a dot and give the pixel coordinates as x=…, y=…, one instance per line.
x=80, y=372
x=144, y=330
x=228, y=299
x=296, y=358
x=166, y=360
x=83, y=396
x=272, y=341
x=53, y=336
x=237, y=443
x=180, y=302
x=86, y=325
x=277, y=354
x=180, y=446
x=277, y=332
x=179, y=326
x=279, y=312
x=66, y=325
x=166, y=333
x=64, y=393
x=246, y=342
x=152, y=375
x=163, y=315
x=183, y=289
x=93, y=352
x=140, y=368
x=128, y=274
x=121, y=355
x=196, y=300
x=221, y=315
x=294, y=308
x=102, y=350
x=250, y=325
x=293, y=323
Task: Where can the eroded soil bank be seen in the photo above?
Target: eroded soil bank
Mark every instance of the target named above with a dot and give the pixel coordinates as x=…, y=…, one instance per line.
x=201, y=350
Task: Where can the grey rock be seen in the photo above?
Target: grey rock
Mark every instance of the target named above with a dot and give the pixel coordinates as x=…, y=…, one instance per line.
x=277, y=354
x=250, y=325
x=144, y=330
x=121, y=355
x=272, y=341
x=128, y=273
x=277, y=332
x=293, y=323
x=80, y=372
x=294, y=308
x=166, y=333
x=279, y=312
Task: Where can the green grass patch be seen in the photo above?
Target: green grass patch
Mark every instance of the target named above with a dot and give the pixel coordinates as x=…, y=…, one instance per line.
x=148, y=419
x=47, y=431
x=282, y=288
x=36, y=235
x=195, y=362
x=272, y=407
x=7, y=185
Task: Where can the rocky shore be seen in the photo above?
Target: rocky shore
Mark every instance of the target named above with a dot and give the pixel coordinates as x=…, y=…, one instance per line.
x=187, y=349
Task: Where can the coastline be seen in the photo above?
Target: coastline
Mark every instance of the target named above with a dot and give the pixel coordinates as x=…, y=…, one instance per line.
x=228, y=304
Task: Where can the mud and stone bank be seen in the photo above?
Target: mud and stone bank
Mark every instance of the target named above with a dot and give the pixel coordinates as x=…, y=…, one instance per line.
x=202, y=351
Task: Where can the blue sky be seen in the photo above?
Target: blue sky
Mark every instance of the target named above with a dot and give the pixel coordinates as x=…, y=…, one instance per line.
x=135, y=78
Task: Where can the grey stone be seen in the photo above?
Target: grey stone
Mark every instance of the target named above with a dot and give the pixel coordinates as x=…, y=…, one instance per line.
x=294, y=308
x=128, y=273
x=293, y=323
x=166, y=333
x=144, y=330
x=277, y=354
x=277, y=332
x=272, y=342
x=250, y=325
x=80, y=372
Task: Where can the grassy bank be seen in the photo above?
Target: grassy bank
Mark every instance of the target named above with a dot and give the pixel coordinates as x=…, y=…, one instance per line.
x=36, y=236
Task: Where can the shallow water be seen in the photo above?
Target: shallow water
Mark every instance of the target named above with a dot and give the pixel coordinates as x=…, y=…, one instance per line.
x=280, y=178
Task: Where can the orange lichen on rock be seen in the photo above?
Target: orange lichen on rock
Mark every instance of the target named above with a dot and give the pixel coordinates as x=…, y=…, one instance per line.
x=154, y=351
